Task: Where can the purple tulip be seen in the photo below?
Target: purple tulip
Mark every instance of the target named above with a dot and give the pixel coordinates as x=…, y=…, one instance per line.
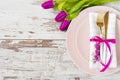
x=64, y=25
x=60, y=16
x=48, y=4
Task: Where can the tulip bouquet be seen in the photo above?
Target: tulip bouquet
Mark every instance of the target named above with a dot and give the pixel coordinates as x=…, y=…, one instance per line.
x=69, y=9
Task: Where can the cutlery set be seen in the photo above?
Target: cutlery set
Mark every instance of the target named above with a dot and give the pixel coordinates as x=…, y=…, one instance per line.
x=103, y=41
x=102, y=23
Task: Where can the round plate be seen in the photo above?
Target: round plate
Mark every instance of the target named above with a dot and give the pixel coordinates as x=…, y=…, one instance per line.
x=78, y=40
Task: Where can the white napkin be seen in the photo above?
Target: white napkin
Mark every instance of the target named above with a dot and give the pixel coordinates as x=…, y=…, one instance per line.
x=94, y=31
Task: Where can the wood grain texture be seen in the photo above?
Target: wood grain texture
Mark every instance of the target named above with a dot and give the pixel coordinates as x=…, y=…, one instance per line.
x=24, y=62
x=25, y=19
x=33, y=48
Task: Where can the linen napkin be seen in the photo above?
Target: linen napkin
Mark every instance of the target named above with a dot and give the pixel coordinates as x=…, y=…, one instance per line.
x=94, y=31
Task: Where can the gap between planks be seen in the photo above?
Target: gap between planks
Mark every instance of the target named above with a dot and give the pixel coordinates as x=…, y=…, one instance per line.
x=34, y=39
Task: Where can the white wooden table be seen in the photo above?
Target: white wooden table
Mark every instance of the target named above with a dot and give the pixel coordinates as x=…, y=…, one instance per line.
x=33, y=48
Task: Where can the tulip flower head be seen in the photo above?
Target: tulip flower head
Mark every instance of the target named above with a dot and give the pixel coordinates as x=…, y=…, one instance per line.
x=48, y=4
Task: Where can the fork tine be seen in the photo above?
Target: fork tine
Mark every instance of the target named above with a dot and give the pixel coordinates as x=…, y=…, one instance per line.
x=99, y=21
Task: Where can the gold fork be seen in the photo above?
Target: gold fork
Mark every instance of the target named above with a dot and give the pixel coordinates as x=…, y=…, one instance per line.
x=99, y=21
x=100, y=24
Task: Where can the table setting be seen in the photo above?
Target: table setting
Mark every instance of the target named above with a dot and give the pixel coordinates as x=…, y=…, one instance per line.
x=59, y=40
x=92, y=35
x=90, y=32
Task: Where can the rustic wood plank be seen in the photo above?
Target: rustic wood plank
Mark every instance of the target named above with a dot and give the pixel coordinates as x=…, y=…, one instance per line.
x=32, y=62
x=25, y=19
x=35, y=62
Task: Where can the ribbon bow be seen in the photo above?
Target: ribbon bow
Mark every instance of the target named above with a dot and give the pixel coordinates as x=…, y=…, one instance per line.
x=106, y=41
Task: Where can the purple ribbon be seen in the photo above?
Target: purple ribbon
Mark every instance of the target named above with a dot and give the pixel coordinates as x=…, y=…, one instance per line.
x=106, y=41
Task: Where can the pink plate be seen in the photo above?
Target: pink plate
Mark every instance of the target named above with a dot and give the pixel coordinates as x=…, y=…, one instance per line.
x=78, y=40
